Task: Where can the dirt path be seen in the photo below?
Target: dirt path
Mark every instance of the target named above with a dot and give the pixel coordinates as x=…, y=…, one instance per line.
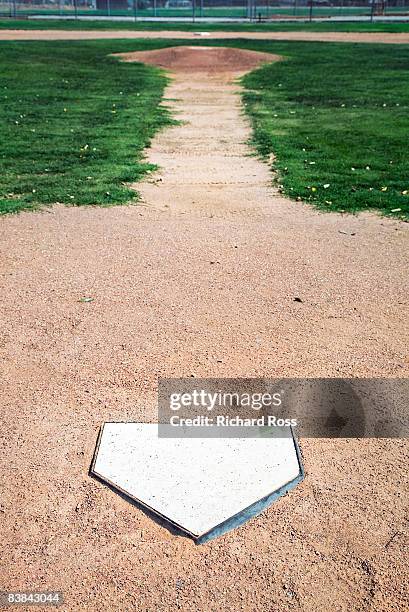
x=206, y=166
x=200, y=280
x=360, y=37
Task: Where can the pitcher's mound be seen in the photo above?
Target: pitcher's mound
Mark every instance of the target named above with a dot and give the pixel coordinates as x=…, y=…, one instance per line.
x=201, y=59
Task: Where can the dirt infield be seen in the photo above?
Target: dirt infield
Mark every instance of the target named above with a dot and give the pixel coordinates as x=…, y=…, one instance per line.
x=200, y=280
x=352, y=37
x=208, y=60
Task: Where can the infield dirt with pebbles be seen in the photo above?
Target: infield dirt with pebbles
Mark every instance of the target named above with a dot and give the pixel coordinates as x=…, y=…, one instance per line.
x=198, y=280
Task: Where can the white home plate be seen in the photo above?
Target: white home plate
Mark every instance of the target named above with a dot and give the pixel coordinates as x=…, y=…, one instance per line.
x=204, y=486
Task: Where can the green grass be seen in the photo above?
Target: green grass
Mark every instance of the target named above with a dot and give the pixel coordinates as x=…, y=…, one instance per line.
x=73, y=124
x=192, y=27
x=337, y=119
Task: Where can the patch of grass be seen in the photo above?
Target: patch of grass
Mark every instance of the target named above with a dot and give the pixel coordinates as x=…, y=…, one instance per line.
x=72, y=24
x=337, y=119
x=74, y=123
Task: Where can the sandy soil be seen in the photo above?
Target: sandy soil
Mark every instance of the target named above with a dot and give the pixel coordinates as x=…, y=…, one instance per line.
x=200, y=280
x=363, y=37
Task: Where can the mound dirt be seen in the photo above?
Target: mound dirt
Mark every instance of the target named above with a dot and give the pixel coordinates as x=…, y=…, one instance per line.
x=210, y=60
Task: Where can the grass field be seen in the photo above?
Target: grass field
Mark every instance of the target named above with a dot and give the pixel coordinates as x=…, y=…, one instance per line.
x=72, y=24
x=337, y=118
x=74, y=122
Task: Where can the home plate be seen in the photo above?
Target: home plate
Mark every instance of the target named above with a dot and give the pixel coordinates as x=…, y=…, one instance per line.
x=202, y=486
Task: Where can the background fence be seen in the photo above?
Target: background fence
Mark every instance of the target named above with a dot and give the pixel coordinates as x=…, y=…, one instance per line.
x=223, y=9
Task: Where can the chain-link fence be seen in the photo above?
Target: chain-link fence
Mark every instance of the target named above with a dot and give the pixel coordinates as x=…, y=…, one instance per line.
x=257, y=10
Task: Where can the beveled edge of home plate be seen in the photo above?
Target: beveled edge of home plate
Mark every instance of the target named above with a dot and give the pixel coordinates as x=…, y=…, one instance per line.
x=232, y=522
